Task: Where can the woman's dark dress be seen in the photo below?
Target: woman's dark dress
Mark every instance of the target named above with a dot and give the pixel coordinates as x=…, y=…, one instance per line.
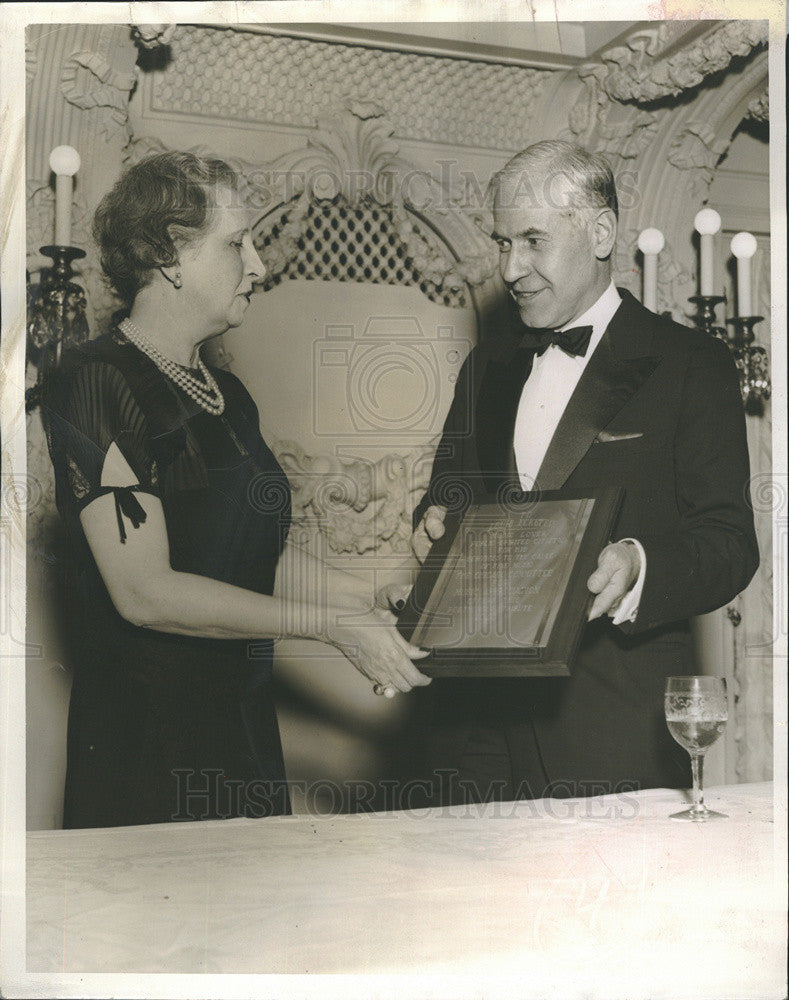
x=161, y=726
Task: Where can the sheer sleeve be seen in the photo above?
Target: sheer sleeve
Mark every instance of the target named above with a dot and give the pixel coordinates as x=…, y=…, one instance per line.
x=89, y=407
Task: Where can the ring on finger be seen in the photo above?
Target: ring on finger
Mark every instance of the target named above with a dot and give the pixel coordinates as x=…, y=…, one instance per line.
x=387, y=690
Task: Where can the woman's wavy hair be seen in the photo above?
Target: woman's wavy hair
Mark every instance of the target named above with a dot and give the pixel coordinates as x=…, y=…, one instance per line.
x=157, y=206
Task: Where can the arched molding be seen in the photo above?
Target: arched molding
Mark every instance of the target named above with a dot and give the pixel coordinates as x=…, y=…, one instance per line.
x=360, y=505
x=89, y=81
x=664, y=155
x=67, y=99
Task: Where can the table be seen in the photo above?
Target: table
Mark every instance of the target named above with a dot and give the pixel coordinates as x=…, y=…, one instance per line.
x=602, y=897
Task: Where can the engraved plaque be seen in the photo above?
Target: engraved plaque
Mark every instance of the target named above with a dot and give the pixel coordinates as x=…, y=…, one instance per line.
x=503, y=592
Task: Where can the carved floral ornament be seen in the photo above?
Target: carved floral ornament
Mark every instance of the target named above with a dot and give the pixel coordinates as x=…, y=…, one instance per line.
x=634, y=72
x=358, y=505
x=698, y=149
x=637, y=74
x=759, y=108
x=153, y=36
x=628, y=138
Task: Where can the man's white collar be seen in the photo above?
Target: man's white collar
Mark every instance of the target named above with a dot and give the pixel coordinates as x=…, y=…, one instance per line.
x=599, y=315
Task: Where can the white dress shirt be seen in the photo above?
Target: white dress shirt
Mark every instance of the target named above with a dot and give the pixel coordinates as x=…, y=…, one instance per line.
x=545, y=396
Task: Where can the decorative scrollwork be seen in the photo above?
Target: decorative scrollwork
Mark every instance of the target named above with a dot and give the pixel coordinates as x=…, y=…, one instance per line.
x=628, y=139
x=696, y=148
x=636, y=74
x=631, y=72
x=352, y=156
x=89, y=81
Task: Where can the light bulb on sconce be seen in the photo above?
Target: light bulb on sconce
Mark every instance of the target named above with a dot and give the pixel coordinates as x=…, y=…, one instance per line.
x=750, y=359
x=650, y=243
x=707, y=223
x=64, y=161
x=57, y=317
x=743, y=246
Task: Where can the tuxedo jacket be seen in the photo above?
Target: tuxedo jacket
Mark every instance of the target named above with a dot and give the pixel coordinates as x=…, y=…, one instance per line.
x=657, y=411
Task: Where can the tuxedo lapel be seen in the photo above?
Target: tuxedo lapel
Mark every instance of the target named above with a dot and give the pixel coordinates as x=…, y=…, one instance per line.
x=497, y=406
x=617, y=369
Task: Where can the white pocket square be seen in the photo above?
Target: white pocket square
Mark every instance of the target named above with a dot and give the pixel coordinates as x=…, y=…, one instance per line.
x=604, y=437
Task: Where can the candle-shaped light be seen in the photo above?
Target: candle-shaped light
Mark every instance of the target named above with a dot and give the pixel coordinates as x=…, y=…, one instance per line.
x=650, y=243
x=64, y=161
x=743, y=246
x=707, y=223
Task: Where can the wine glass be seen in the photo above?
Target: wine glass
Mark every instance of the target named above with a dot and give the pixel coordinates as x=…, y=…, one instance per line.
x=696, y=714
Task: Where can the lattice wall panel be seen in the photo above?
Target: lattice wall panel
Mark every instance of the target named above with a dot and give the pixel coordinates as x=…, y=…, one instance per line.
x=250, y=77
x=341, y=242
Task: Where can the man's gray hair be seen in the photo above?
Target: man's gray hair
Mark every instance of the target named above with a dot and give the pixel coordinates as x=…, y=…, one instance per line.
x=589, y=175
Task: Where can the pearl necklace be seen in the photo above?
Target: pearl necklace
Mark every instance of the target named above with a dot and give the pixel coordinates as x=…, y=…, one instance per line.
x=206, y=394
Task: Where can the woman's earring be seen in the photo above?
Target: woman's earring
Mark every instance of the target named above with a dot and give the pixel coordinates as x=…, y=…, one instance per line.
x=177, y=280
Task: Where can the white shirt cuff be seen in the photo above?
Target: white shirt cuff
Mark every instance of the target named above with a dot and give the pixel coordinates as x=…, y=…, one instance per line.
x=628, y=606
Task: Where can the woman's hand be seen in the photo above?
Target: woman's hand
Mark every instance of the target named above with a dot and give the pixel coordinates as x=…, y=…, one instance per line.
x=378, y=651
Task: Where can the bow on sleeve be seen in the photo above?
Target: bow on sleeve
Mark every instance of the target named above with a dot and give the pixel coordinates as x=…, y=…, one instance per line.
x=126, y=503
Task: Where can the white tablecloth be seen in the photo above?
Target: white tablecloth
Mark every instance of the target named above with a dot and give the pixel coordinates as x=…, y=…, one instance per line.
x=597, y=897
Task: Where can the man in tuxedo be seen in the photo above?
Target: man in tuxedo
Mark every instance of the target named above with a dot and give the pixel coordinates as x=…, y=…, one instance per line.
x=595, y=391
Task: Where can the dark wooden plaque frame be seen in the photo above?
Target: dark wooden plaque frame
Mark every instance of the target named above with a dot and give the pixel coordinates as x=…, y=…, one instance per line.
x=556, y=655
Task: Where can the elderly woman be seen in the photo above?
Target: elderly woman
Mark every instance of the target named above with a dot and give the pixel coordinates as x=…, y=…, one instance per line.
x=177, y=515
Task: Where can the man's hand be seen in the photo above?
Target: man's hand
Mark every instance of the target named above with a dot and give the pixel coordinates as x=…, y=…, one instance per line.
x=618, y=566
x=430, y=529
x=392, y=597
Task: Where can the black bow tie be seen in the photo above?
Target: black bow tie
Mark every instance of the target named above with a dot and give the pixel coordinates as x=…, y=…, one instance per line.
x=574, y=341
